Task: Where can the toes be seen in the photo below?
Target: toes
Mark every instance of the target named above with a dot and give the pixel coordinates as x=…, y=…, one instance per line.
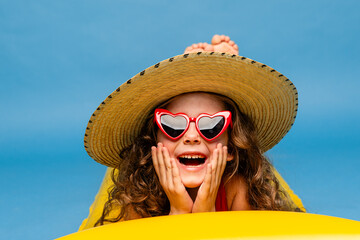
x=236, y=51
x=199, y=47
x=219, y=43
x=208, y=48
x=222, y=43
x=216, y=39
x=224, y=38
x=188, y=49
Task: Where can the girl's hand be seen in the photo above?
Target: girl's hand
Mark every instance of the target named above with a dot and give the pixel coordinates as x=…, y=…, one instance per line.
x=168, y=173
x=206, y=197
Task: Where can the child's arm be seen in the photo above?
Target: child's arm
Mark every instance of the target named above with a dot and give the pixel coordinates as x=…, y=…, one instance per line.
x=168, y=173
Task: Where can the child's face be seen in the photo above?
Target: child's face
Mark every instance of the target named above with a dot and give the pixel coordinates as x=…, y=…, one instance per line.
x=191, y=143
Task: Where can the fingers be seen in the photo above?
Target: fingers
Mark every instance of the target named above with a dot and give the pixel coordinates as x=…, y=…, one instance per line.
x=168, y=169
x=176, y=175
x=208, y=180
x=161, y=160
x=162, y=165
x=219, y=163
x=224, y=159
x=206, y=198
x=169, y=177
x=215, y=170
x=215, y=167
x=155, y=160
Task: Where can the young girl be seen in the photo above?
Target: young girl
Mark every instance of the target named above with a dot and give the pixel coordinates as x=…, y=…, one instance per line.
x=188, y=135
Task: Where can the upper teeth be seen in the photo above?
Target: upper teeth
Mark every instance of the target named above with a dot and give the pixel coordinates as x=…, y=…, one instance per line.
x=191, y=156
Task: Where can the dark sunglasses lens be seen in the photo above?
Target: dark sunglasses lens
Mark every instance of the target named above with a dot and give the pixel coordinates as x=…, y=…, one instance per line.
x=211, y=127
x=173, y=126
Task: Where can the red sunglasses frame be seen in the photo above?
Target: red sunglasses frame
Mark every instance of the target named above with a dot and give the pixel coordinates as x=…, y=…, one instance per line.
x=159, y=112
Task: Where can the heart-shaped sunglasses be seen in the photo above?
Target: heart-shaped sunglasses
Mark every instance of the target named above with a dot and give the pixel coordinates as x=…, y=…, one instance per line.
x=208, y=126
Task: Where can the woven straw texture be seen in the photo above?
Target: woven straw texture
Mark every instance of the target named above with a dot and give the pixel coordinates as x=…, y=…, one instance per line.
x=265, y=95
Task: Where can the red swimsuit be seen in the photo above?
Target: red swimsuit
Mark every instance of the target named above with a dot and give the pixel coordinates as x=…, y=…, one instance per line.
x=220, y=203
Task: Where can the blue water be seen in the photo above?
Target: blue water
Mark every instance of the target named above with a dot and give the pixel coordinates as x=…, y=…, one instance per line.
x=60, y=59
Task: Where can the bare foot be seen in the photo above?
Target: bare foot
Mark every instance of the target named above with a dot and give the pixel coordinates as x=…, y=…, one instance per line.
x=223, y=43
x=200, y=47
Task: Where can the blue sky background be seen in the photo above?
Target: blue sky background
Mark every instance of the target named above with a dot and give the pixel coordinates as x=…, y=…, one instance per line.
x=60, y=59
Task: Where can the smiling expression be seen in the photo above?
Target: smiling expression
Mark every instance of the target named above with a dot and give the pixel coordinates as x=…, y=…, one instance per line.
x=192, y=152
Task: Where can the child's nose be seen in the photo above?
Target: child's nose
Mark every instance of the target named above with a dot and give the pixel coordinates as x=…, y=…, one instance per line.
x=192, y=136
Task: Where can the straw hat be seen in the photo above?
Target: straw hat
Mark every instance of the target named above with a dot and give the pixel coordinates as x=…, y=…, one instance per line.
x=265, y=95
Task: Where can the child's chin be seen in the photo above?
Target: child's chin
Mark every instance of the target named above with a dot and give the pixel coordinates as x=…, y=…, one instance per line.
x=194, y=183
x=192, y=179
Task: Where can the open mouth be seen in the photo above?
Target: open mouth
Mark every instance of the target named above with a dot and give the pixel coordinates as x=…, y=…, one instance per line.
x=192, y=160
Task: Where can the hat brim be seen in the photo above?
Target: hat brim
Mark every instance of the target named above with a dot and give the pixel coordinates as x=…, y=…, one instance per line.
x=263, y=94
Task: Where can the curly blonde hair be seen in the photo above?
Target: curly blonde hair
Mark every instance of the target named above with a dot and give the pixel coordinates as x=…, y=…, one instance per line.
x=137, y=188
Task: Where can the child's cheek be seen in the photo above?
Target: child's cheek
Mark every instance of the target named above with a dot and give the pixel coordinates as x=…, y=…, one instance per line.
x=168, y=143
